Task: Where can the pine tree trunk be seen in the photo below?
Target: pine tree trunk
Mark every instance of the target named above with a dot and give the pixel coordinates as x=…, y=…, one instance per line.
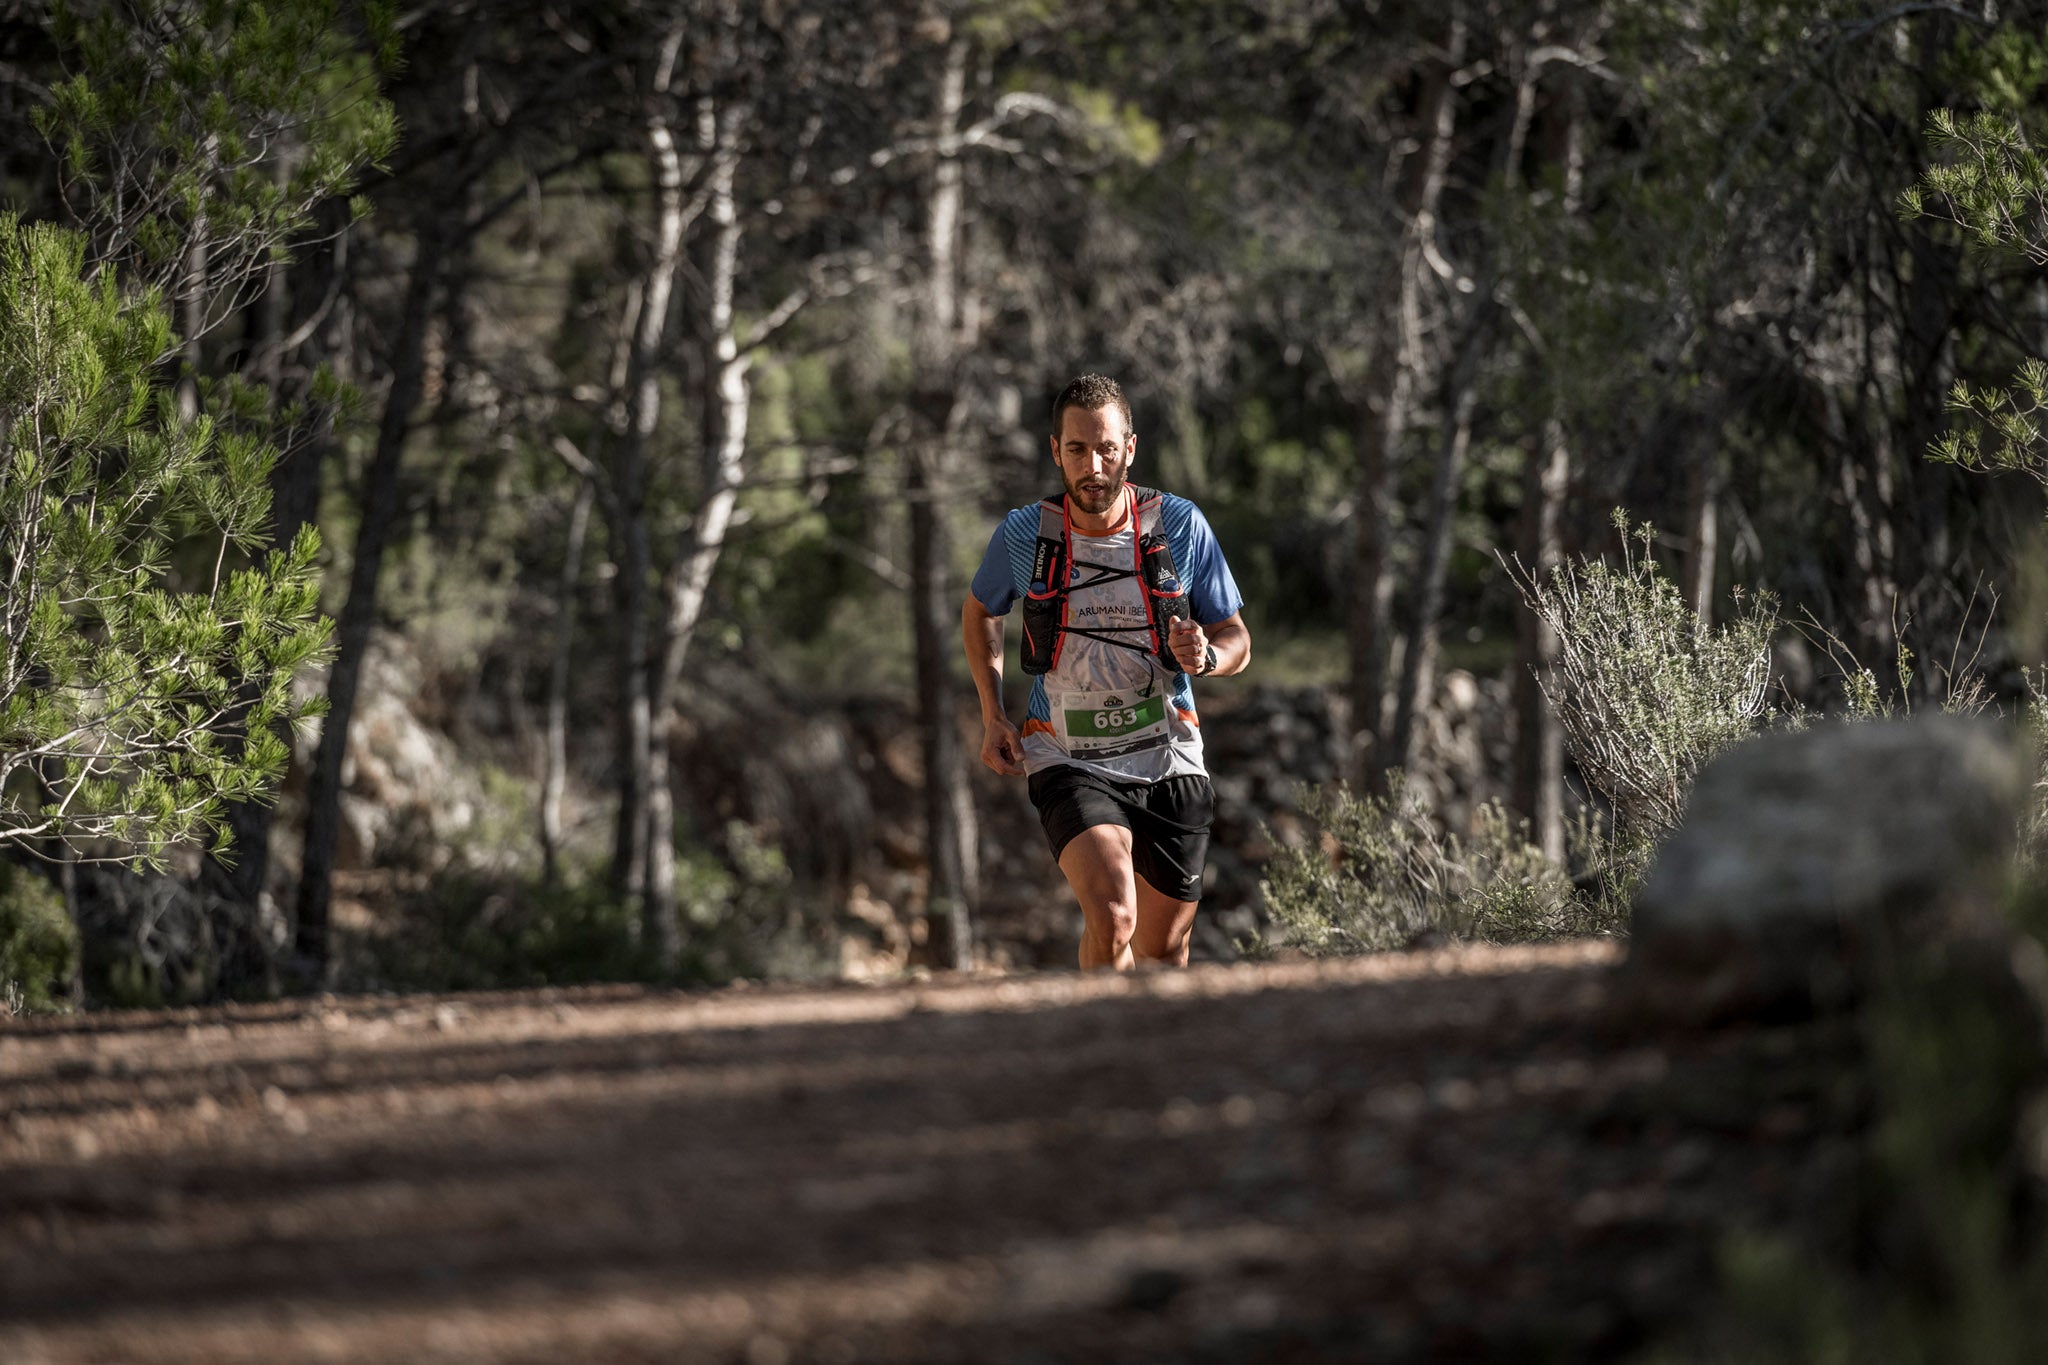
x=1385, y=413
x=192, y=318
x=1702, y=531
x=359, y=613
x=1927, y=371
x=1875, y=586
x=286, y=310
x=555, y=743
x=950, y=828
x=1539, y=748
x=1418, y=664
x=1546, y=480
x=630, y=532
x=687, y=584
x=948, y=805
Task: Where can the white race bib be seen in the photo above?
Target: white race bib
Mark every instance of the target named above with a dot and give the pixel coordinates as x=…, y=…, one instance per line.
x=1109, y=724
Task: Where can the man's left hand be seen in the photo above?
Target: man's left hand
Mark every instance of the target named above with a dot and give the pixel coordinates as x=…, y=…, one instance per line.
x=1189, y=645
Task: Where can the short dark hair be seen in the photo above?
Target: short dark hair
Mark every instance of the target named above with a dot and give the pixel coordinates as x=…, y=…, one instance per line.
x=1089, y=392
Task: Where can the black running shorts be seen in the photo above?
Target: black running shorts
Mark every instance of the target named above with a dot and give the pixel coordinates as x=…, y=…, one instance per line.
x=1168, y=821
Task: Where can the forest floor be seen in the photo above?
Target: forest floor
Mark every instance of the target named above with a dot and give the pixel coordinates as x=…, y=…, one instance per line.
x=1470, y=1153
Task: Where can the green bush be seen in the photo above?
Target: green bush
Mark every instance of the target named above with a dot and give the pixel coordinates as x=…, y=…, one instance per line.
x=38, y=943
x=472, y=929
x=1645, y=691
x=1382, y=873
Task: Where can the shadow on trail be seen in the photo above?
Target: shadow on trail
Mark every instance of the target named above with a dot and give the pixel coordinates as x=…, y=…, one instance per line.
x=1396, y=1165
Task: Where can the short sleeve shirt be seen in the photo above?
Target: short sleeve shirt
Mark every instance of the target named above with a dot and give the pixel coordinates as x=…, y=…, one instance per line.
x=1100, y=681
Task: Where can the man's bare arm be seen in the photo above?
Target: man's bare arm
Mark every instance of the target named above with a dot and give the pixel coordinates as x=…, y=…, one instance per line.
x=1232, y=638
x=981, y=635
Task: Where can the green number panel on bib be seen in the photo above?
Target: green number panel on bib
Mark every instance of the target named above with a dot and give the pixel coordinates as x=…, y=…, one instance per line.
x=1111, y=724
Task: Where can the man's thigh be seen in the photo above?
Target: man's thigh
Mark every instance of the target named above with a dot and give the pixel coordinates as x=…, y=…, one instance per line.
x=1097, y=864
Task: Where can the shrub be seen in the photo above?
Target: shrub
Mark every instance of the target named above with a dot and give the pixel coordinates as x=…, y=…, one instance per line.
x=1383, y=874
x=1645, y=691
x=471, y=928
x=38, y=943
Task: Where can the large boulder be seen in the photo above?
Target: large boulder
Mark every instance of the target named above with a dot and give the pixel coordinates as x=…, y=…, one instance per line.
x=1800, y=851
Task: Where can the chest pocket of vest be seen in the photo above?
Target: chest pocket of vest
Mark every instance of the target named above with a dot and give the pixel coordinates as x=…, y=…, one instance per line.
x=1165, y=592
x=1045, y=601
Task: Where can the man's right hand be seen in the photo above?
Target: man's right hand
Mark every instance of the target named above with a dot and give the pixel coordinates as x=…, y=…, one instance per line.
x=1002, y=748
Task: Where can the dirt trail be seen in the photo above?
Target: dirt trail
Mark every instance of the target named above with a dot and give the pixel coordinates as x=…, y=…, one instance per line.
x=1440, y=1156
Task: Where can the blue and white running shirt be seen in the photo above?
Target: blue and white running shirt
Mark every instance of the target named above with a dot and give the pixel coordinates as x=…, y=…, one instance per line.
x=1106, y=707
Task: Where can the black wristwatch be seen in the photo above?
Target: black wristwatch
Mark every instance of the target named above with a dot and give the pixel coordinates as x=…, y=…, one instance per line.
x=1209, y=661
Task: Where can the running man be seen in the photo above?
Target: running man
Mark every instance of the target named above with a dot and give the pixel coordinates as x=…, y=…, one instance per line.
x=1126, y=598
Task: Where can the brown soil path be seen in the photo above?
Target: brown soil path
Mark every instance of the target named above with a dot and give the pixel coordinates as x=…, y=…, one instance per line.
x=1454, y=1155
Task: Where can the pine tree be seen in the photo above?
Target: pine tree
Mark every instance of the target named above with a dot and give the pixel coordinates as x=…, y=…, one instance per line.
x=129, y=632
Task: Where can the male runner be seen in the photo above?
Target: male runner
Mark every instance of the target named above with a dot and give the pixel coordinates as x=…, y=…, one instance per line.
x=1110, y=738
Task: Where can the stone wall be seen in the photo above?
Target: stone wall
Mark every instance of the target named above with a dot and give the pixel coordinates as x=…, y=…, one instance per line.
x=837, y=788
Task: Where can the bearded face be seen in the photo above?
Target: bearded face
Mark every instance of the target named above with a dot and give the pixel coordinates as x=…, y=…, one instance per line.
x=1093, y=451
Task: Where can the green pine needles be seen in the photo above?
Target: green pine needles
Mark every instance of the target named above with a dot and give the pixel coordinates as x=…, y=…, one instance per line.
x=1991, y=182
x=145, y=670
x=197, y=136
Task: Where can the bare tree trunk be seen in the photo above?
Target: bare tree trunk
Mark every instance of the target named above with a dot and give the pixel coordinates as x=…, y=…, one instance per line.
x=950, y=833
x=1870, y=541
x=1384, y=415
x=1418, y=664
x=317, y=302
x=629, y=479
x=192, y=318
x=1546, y=479
x=273, y=318
x=1702, y=530
x=359, y=613
x=555, y=744
x=1926, y=341
x=688, y=583
x=240, y=876
x=948, y=804
x=288, y=315
x=1539, y=750
x=67, y=882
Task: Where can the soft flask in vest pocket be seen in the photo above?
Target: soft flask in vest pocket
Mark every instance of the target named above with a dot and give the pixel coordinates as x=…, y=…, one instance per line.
x=1163, y=592
x=1052, y=572
x=1045, y=606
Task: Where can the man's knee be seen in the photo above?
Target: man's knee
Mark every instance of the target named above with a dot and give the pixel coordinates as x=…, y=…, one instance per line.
x=1116, y=917
x=1161, y=945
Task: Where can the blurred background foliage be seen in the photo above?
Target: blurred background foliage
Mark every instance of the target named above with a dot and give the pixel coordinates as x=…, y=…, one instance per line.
x=654, y=371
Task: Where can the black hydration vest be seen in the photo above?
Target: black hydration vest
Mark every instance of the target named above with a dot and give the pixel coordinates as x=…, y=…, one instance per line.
x=1052, y=579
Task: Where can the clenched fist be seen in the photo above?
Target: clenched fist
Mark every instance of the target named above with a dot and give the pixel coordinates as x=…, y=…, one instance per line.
x=1190, y=646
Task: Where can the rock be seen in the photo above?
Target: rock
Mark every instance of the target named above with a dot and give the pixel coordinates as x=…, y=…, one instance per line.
x=406, y=786
x=1799, y=849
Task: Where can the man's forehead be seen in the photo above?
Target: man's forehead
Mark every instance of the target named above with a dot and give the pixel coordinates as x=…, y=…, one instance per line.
x=1105, y=423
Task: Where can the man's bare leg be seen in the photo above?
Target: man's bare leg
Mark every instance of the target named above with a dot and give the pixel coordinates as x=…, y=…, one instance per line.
x=1097, y=862
x=1161, y=936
